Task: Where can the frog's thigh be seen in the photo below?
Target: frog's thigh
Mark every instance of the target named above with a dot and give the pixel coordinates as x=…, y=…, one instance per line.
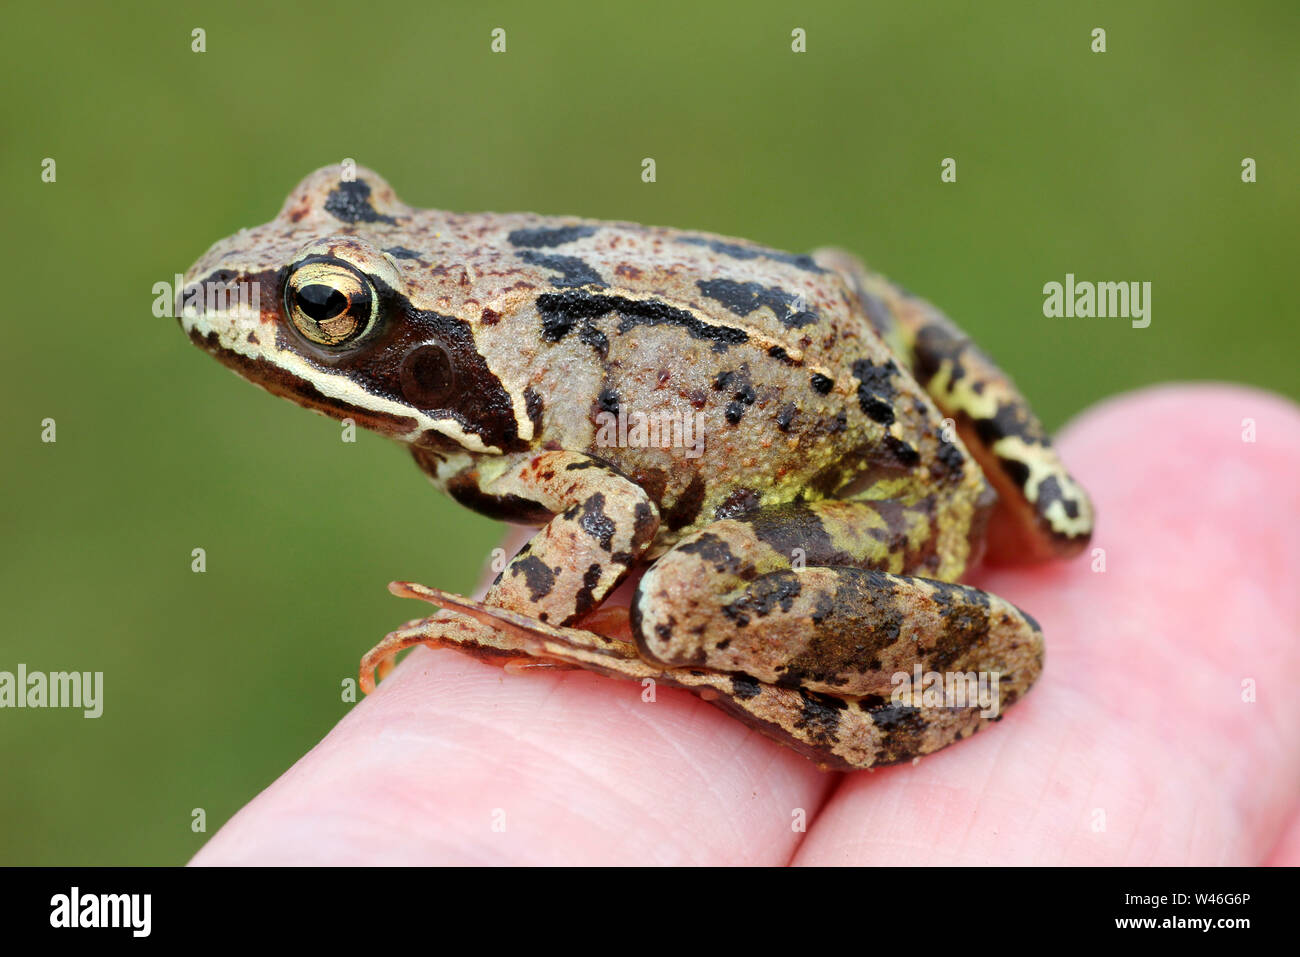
x=726, y=600
x=1042, y=512
x=603, y=524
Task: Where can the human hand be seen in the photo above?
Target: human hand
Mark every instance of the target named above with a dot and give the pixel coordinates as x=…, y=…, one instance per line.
x=1136, y=746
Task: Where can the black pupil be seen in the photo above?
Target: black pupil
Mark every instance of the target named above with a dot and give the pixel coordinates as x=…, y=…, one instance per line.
x=321, y=302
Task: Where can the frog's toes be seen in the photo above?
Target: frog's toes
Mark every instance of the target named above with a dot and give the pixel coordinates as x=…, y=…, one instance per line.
x=501, y=636
x=416, y=590
x=380, y=658
x=445, y=629
x=519, y=666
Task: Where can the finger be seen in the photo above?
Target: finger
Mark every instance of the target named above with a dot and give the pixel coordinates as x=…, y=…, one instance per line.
x=452, y=760
x=1287, y=851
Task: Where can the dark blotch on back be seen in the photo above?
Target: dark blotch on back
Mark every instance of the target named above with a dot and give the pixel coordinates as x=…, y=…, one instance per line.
x=903, y=453
x=607, y=401
x=876, y=390
x=573, y=271
x=541, y=237
x=950, y=457
x=742, y=298
x=350, y=203
x=736, y=381
x=563, y=311
x=737, y=251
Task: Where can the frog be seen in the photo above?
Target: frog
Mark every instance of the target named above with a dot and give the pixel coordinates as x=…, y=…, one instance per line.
x=854, y=453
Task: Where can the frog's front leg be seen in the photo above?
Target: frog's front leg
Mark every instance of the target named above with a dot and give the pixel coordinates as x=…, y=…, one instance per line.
x=602, y=524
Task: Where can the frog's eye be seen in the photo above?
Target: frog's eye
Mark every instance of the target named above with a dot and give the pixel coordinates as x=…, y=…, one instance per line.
x=428, y=378
x=330, y=302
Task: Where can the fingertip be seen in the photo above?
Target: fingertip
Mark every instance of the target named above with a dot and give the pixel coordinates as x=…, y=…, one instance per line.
x=1177, y=421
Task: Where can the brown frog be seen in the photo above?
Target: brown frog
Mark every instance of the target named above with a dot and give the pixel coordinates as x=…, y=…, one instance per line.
x=802, y=457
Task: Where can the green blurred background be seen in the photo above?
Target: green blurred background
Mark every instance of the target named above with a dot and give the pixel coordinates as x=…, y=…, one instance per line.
x=1115, y=166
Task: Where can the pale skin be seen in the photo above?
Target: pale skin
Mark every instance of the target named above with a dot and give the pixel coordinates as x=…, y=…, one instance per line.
x=1135, y=746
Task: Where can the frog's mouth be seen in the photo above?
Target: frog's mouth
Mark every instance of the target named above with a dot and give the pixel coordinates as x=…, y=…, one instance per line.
x=312, y=390
x=231, y=315
x=281, y=382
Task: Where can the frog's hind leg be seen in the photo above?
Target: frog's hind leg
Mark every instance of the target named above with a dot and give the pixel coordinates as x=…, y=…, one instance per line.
x=1042, y=511
x=727, y=599
x=837, y=732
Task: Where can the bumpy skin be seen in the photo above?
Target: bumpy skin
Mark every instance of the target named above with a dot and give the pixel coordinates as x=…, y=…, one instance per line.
x=829, y=494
